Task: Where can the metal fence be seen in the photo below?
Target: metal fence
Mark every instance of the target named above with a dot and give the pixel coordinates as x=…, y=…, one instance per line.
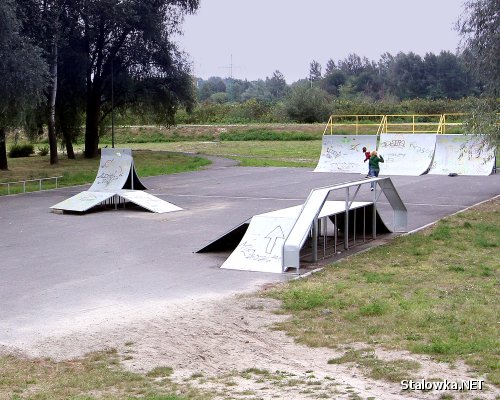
x=23, y=183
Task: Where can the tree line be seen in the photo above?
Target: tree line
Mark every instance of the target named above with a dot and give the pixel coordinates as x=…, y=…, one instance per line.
x=68, y=64
x=391, y=78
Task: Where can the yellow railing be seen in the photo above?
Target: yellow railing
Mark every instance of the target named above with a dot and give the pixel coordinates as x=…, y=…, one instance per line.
x=391, y=123
x=457, y=120
x=357, y=122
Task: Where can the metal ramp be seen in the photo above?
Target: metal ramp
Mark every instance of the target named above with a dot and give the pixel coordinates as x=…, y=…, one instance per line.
x=411, y=145
x=344, y=153
x=116, y=172
x=462, y=155
x=272, y=242
x=116, y=182
x=309, y=216
x=406, y=153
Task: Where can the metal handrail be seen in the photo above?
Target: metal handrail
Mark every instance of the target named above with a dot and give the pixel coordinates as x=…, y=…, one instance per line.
x=356, y=123
x=31, y=180
x=410, y=123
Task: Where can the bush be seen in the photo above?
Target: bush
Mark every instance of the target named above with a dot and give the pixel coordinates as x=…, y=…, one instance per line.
x=21, y=150
x=43, y=151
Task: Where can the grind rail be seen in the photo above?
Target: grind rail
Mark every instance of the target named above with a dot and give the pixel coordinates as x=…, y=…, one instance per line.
x=307, y=221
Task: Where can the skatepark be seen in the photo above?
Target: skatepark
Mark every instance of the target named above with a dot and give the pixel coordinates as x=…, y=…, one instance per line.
x=72, y=268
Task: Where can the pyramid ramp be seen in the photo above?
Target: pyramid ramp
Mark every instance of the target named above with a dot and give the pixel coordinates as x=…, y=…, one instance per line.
x=116, y=180
x=83, y=201
x=116, y=172
x=463, y=155
x=344, y=153
x=148, y=201
x=406, y=153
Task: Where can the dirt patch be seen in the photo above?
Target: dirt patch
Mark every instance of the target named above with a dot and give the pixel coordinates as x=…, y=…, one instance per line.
x=228, y=347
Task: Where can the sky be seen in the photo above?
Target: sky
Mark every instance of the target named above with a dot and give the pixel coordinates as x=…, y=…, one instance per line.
x=250, y=39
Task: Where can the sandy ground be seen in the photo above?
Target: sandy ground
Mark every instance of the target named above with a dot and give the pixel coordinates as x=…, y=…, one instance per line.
x=227, y=346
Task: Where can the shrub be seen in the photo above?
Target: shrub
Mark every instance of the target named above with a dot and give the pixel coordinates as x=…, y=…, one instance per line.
x=21, y=150
x=43, y=151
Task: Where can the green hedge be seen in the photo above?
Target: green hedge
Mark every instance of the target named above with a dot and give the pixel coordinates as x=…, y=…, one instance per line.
x=21, y=150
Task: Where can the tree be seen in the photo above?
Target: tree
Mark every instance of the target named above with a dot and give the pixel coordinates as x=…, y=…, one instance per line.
x=42, y=23
x=330, y=67
x=71, y=89
x=276, y=85
x=132, y=38
x=314, y=71
x=257, y=90
x=306, y=104
x=332, y=82
x=353, y=64
x=406, y=76
x=213, y=85
x=445, y=76
x=479, y=27
x=23, y=74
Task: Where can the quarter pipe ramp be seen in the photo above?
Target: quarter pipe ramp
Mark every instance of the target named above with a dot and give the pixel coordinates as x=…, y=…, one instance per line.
x=406, y=153
x=344, y=153
x=463, y=155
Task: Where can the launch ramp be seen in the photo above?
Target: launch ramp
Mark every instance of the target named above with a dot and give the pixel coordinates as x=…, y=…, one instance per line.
x=406, y=153
x=272, y=242
x=116, y=182
x=463, y=155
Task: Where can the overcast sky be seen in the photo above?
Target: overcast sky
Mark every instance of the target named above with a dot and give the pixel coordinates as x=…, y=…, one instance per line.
x=262, y=36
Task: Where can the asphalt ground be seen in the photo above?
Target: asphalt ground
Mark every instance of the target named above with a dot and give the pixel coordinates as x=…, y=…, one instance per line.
x=60, y=271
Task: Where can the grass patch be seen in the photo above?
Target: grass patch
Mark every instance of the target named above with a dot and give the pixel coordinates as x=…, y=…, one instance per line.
x=98, y=375
x=180, y=133
x=160, y=372
x=434, y=292
x=263, y=134
x=393, y=370
x=82, y=170
x=249, y=154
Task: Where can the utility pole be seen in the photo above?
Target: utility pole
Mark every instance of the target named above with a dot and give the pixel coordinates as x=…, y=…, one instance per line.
x=230, y=67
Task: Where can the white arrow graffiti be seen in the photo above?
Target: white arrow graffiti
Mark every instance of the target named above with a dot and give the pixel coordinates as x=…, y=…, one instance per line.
x=273, y=236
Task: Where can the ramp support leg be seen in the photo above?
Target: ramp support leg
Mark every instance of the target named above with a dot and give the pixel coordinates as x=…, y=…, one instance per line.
x=315, y=240
x=346, y=220
x=374, y=215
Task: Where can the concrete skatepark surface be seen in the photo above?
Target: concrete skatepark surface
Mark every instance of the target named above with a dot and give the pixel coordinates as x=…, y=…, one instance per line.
x=66, y=270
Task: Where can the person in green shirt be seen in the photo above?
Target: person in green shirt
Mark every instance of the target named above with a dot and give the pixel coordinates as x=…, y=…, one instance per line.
x=374, y=167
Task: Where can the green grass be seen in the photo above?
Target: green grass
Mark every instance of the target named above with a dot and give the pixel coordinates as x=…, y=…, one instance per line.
x=269, y=135
x=435, y=292
x=82, y=170
x=208, y=132
x=248, y=153
x=98, y=375
x=393, y=370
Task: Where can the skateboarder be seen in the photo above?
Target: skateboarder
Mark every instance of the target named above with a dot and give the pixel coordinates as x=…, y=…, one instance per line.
x=375, y=159
x=367, y=158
